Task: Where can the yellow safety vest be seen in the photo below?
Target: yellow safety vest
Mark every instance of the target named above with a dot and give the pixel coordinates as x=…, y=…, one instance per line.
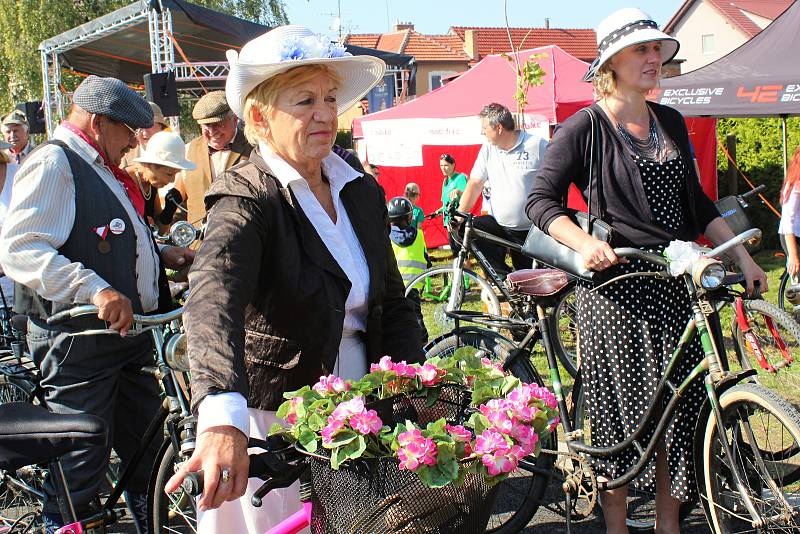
x=411, y=259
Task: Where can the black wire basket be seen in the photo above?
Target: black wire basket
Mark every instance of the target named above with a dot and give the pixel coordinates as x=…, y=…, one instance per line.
x=373, y=496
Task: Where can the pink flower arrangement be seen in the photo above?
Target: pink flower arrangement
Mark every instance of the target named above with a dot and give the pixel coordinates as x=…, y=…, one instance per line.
x=501, y=429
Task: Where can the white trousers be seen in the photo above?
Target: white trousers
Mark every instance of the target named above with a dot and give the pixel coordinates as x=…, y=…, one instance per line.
x=240, y=516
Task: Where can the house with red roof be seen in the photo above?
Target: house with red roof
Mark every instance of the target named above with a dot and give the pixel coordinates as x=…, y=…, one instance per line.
x=709, y=29
x=441, y=57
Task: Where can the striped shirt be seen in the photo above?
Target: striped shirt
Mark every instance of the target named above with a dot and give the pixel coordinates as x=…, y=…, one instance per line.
x=40, y=220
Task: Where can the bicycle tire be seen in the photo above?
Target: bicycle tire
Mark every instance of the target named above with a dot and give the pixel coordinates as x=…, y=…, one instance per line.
x=641, y=503
x=752, y=415
x=479, y=289
x=518, y=497
x=173, y=512
x=564, y=331
x=787, y=377
x=783, y=302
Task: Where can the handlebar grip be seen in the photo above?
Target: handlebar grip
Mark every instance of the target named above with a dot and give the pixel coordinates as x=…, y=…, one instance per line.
x=193, y=483
x=753, y=191
x=66, y=315
x=59, y=318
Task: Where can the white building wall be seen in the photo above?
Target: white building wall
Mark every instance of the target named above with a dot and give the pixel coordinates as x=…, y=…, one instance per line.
x=703, y=19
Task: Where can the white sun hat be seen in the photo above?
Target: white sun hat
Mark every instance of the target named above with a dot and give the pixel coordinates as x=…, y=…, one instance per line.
x=626, y=27
x=286, y=47
x=168, y=149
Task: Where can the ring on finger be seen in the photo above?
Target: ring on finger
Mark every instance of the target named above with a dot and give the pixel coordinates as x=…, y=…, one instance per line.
x=225, y=476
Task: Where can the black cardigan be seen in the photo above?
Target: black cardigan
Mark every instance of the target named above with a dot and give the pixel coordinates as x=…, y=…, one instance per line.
x=624, y=204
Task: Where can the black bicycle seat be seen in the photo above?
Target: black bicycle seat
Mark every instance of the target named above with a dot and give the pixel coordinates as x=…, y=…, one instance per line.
x=30, y=434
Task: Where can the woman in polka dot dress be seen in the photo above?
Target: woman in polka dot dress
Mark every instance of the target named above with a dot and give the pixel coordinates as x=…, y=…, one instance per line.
x=649, y=192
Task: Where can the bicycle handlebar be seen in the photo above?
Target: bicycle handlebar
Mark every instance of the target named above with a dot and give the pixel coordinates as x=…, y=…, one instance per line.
x=752, y=192
x=91, y=309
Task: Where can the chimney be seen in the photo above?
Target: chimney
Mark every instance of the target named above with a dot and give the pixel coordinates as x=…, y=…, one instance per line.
x=471, y=44
x=400, y=26
x=546, y=23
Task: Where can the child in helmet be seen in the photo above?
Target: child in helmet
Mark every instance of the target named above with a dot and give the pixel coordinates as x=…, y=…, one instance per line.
x=409, y=248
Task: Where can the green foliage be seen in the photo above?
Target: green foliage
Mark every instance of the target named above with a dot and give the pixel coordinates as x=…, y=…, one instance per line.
x=759, y=155
x=529, y=74
x=26, y=23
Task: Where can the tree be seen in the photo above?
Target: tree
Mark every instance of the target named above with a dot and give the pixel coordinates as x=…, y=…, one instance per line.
x=26, y=23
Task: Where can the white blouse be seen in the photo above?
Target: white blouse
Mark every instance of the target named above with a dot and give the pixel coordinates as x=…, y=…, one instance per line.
x=790, y=214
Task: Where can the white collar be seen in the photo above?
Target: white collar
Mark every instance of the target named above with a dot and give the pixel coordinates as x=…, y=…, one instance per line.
x=335, y=168
x=87, y=151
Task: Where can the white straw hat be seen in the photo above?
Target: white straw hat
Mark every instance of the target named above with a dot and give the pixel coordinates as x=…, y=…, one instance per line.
x=286, y=47
x=168, y=149
x=626, y=27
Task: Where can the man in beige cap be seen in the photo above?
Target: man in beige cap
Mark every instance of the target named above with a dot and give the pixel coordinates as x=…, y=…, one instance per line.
x=144, y=134
x=221, y=146
x=15, y=131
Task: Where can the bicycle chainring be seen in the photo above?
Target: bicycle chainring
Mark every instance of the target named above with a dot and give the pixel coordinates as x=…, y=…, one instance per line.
x=579, y=481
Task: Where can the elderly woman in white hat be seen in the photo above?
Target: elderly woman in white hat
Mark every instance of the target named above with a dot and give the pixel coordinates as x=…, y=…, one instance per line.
x=156, y=167
x=647, y=188
x=296, y=277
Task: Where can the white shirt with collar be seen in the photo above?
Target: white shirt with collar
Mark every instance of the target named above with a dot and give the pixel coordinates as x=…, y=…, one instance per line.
x=230, y=409
x=40, y=219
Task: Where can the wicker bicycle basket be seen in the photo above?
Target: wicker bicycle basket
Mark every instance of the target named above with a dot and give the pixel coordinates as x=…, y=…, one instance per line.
x=374, y=496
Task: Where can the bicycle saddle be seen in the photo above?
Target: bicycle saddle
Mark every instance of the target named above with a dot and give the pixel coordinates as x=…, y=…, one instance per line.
x=537, y=282
x=30, y=434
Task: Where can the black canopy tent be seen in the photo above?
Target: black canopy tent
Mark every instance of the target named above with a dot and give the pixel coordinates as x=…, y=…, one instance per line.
x=761, y=78
x=132, y=41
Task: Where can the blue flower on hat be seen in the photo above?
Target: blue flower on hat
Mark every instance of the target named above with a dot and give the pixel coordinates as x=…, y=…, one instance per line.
x=310, y=47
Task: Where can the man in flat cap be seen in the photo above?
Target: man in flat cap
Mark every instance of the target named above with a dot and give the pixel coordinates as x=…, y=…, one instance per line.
x=71, y=241
x=15, y=132
x=221, y=146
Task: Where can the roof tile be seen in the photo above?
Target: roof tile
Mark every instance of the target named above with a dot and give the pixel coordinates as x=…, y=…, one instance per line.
x=579, y=42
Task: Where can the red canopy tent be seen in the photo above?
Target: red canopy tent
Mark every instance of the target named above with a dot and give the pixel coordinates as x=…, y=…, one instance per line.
x=407, y=141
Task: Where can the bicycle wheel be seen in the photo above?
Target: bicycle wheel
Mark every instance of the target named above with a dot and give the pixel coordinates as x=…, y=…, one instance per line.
x=564, y=330
x=783, y=302
x=755, y=422
x=434, y=287
x=173, y=512
x=520, y=495
x=777, y=336
x=641, y=502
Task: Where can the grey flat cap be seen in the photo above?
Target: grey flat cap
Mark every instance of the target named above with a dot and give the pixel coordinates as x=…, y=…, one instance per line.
x=112, y=98
x=211, y=107
x=15, y=117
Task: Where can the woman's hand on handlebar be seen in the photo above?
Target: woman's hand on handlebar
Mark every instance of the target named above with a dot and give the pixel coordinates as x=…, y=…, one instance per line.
x=218, y=448
x=598, y=255
x=752, y=274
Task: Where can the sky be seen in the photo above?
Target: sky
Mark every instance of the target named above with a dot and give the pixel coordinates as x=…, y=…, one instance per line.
x=436, y=16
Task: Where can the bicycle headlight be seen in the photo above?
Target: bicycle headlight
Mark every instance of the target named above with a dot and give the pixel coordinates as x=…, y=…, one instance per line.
x=182, y=234
x=175, y=353
x=708, y=273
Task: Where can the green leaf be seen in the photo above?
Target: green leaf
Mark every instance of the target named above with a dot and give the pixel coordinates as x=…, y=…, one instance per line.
x=308, y=440
x=431, y=396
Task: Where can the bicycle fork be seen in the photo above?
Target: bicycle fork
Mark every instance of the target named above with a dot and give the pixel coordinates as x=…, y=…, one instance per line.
x=753, y=344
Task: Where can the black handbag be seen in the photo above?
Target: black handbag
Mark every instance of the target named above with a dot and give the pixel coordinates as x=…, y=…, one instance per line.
x=547, y=250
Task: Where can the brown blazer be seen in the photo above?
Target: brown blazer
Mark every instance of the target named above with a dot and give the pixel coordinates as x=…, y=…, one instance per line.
x=266, y=309
x=197, y=182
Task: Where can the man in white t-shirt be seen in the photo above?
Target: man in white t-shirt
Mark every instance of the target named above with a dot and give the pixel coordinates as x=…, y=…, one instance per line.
x=506, y=166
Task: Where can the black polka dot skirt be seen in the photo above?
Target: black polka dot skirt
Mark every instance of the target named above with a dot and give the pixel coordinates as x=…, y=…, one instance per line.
x=628, y=331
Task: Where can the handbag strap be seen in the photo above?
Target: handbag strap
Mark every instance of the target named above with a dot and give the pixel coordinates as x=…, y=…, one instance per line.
x=594, y=139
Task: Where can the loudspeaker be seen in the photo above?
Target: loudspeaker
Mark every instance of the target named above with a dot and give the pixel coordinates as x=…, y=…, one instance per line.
x=34, y=112
x=162, y=89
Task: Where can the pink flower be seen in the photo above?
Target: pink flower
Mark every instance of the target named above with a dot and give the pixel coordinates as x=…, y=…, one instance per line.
x=331, y=384
x=554, y=424
x=384, y=364
x=333, y=427
x=489, y=363
x=405, y=370
x=367, y=422
x=459, y=433
x=291, y=417
x=490, y=441
x=526, y=437
x=502, y=460
x=430, y=375
x=497, y=412
x=348, y=408
x=415, y=450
